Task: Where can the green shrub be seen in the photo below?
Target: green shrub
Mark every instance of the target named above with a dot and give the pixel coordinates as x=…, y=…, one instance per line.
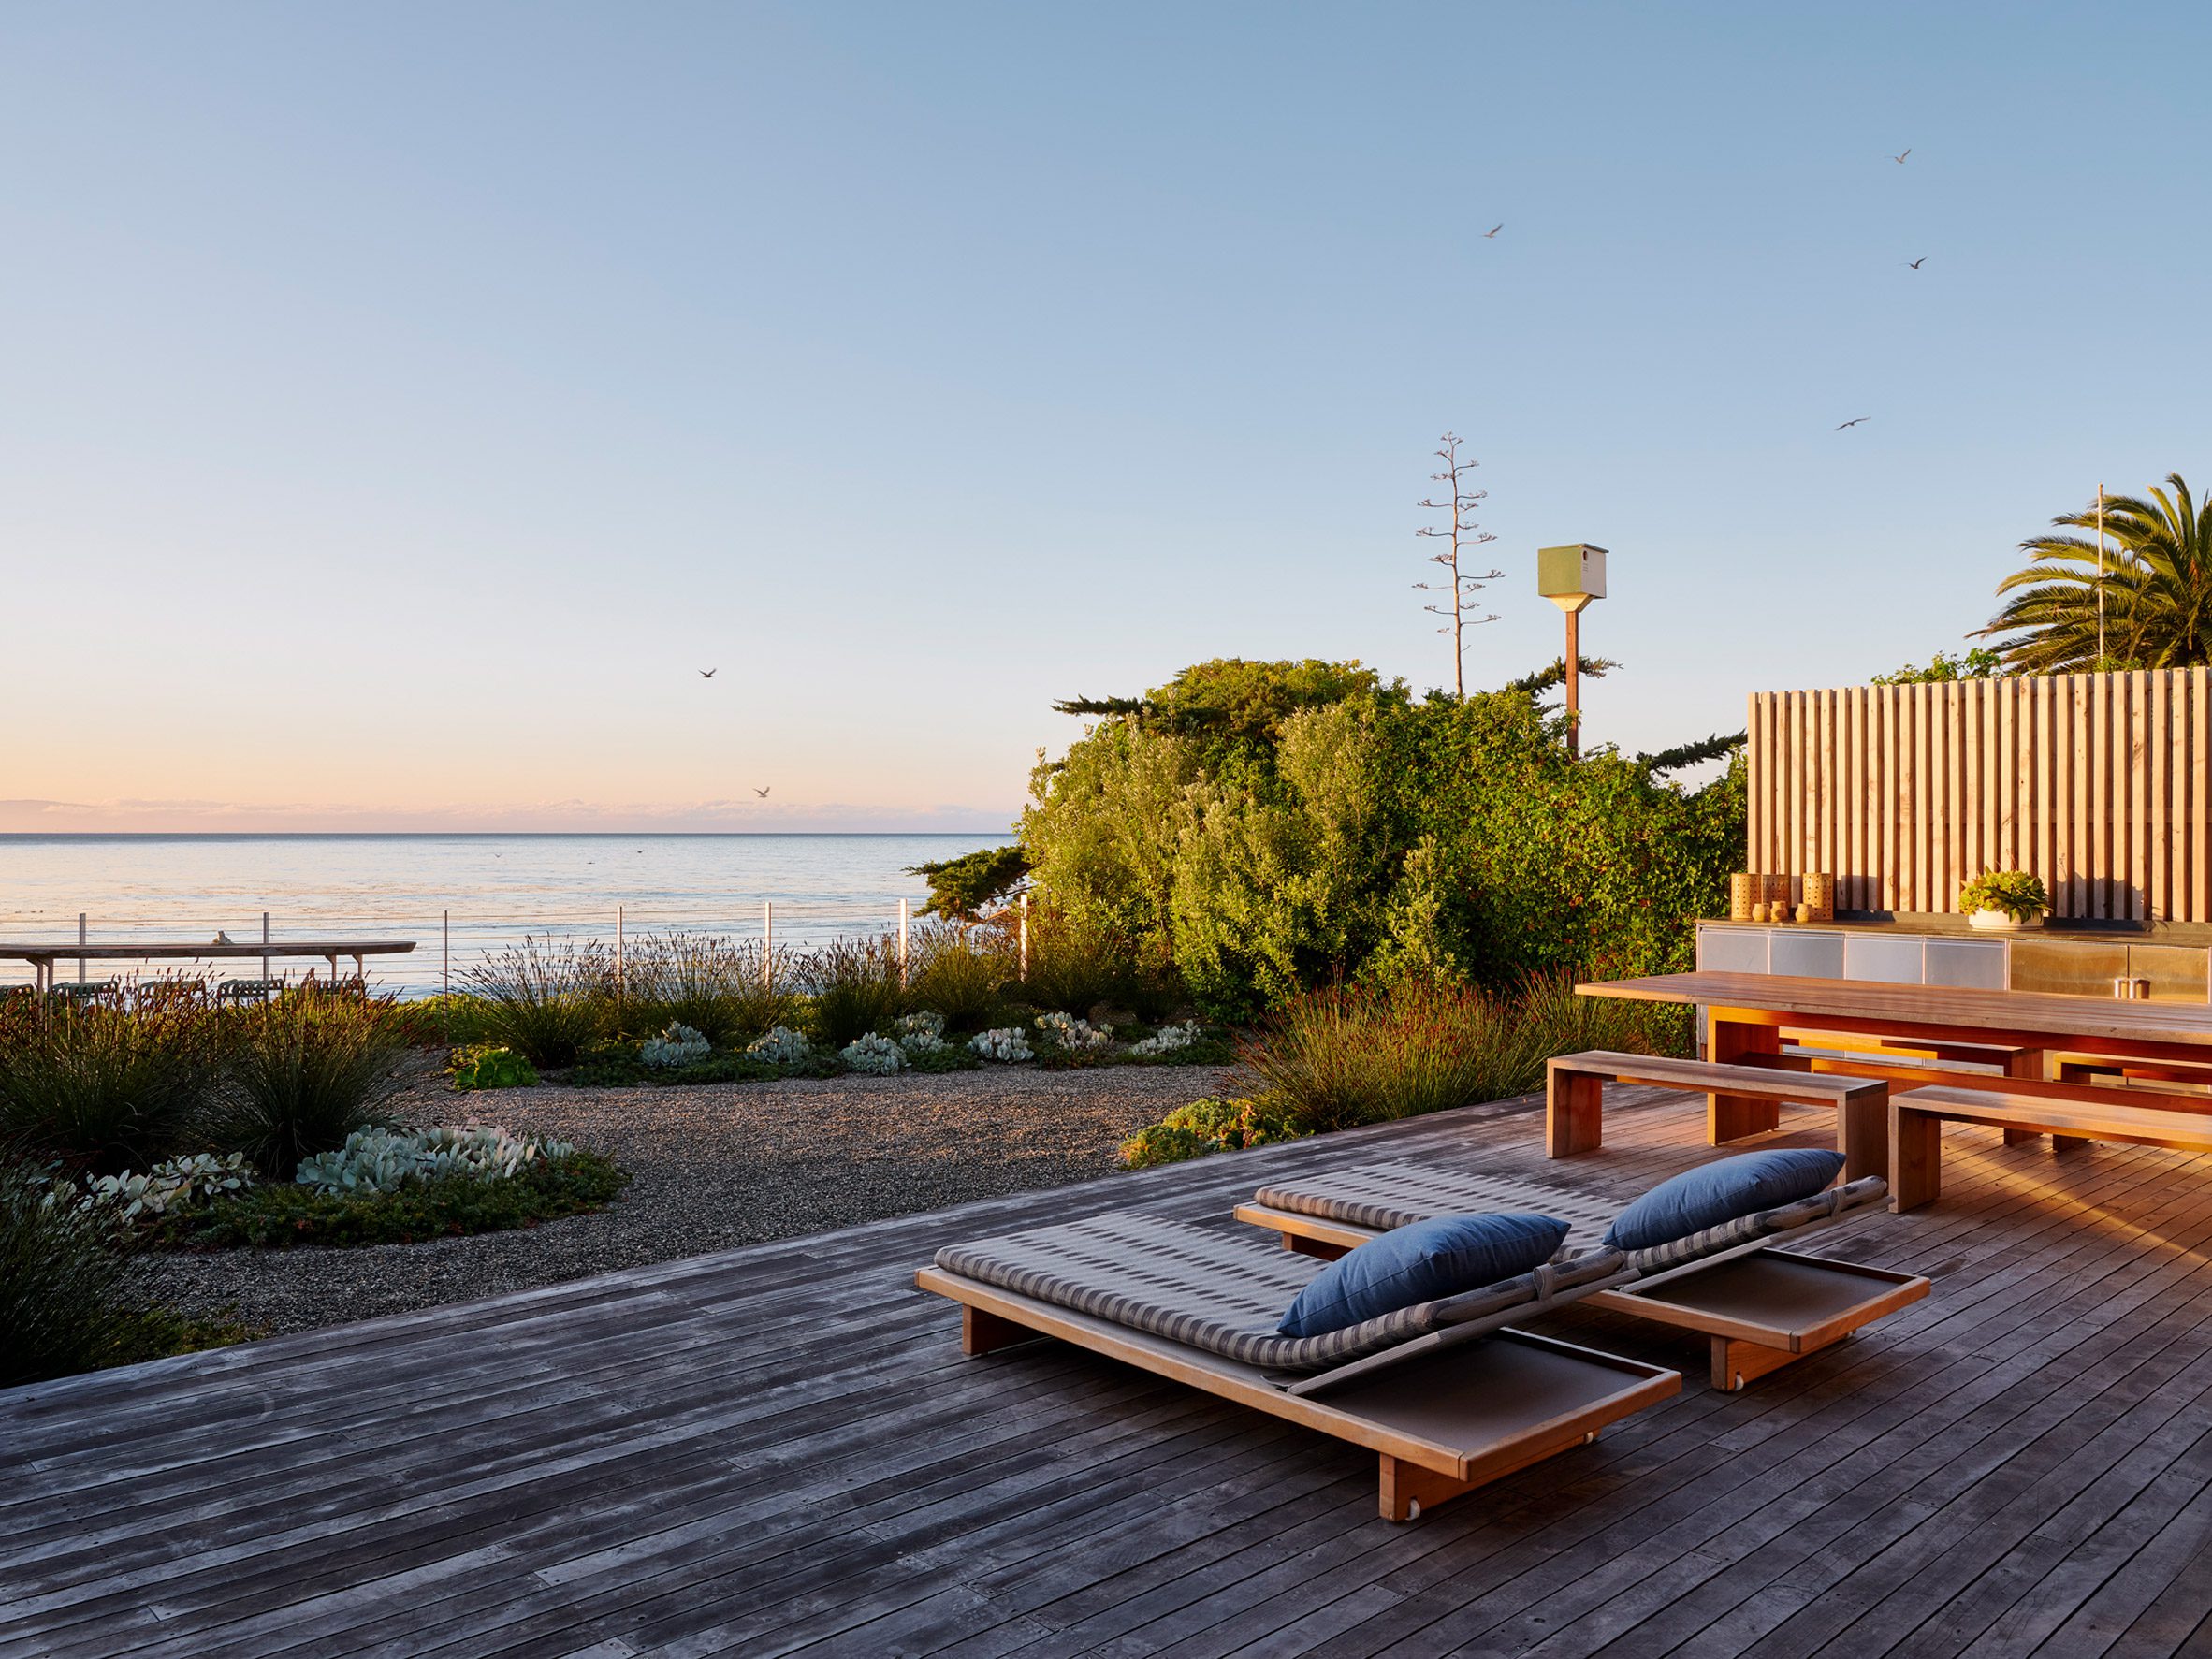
x=283, y=1214
x=67, y=1302
x=545, y=1000
x=1266, y=828
x=2018, y=893
x=300, y=1074
x=1344, y=1058
x=105, y=1088
x=458, y=1021
x=1207, y=1126
x=617, y=1065
x=856, y=990
x=959, y=972
x=966, y=886
x=1076, y=964
x=727, y=989
x=485, y=1068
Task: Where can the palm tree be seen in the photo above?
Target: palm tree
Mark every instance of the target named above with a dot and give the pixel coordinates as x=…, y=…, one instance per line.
x=2156, y=588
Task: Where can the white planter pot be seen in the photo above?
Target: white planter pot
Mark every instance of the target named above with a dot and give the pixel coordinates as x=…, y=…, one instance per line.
x=1998, y=922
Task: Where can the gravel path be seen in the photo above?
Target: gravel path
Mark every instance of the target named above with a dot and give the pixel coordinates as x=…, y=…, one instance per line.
x=714, y=1166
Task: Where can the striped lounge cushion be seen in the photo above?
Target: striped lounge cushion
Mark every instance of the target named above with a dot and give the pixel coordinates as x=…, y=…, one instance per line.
x=1386, y=1196
x=1222, y=1292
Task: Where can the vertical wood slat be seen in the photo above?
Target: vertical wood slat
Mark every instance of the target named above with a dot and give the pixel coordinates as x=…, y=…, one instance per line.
x=2100, y=783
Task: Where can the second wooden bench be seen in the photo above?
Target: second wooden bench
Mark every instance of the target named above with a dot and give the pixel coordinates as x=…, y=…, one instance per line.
x=1574, y=1087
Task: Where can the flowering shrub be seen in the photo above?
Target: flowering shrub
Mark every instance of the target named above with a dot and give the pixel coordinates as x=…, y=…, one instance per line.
x=782, y=1046
x=381, y=1160
x=1006, y=1045
x=928, y=1023
x=175, y=1184
x=1167, y=1039
x=1078, y=1037
x=873, y=1054
x=680, y=1045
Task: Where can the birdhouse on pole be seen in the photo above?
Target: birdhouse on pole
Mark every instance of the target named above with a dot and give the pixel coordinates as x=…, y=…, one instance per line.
x=1570, y=577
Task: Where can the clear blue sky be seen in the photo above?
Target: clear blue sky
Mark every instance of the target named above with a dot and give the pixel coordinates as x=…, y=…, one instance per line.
x=401, y=400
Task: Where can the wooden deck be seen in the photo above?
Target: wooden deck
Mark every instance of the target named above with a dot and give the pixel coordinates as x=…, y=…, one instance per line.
x=780, y=1449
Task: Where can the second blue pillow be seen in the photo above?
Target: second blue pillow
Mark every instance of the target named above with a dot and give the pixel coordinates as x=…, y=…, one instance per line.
x=1431, y=1259
x=1717, y=1192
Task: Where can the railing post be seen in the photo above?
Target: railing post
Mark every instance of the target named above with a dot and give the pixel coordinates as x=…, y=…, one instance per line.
x=902, y=942
x=445, y=944
x=81, y=940
x=767, y=943
x=621, y=973
x=263, y=954
x=1025, y=936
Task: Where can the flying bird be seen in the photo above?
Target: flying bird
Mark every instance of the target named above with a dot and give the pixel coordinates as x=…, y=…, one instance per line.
x=1900, y=159
x=1917, y=264
x=764, y=792
x=1862, y=419
x=1493, y=230
x=709, y=672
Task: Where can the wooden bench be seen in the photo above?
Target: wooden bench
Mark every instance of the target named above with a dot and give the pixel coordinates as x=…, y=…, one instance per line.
x=1574, y=1087
x=1917, y=1118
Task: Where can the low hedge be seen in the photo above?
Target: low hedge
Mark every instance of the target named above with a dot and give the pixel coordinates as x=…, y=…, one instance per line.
x=283, y=1214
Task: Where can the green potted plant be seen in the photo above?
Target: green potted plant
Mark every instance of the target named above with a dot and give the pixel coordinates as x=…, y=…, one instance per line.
x=2003, y=901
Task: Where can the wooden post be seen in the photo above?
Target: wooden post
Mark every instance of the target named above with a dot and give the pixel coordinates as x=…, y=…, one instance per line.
x=621, y=973
x=768, y=941
x=445, y=943
x=264, y=952
x=1025, y=936
x=902, y=942
x=81, y=940
x=1574, y=681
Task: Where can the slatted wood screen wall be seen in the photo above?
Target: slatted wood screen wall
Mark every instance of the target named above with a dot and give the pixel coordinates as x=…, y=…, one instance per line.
x=2097, y=782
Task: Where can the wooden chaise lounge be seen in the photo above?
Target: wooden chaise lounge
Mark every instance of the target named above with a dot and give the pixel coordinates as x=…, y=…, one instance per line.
x=1763, y=1307
x=1446, y=1396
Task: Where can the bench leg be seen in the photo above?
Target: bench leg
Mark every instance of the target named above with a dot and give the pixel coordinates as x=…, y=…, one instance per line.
x=2028, y=1062
x=1916, y=1158
x=1574, y=1112
x=982, y=1332
x=1731, y=1118
x=1319, y=1249
x=1864, y=1134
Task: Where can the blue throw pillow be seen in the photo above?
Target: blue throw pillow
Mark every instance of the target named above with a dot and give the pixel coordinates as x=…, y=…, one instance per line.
x=1717, y=1192
x=1422, y=1262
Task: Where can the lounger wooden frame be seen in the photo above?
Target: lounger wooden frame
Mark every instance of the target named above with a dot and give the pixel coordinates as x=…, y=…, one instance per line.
x=1457, y=1417
x=1574, y=1093
x=1763, y=1307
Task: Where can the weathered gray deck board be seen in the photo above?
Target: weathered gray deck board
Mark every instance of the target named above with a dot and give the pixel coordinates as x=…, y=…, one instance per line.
x=780, y=1449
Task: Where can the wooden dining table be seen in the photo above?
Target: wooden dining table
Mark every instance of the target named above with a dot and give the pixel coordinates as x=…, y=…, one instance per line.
x=1747, y=1013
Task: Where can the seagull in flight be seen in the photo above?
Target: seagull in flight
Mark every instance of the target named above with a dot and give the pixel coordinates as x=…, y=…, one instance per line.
x=764, y=792
x=1917, y=264
x=1900, y=159
x=709, y=672
x=1862, y=420
x=1493, y=230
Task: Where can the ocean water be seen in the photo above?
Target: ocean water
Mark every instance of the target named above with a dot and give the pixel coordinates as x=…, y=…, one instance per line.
x=456, y=897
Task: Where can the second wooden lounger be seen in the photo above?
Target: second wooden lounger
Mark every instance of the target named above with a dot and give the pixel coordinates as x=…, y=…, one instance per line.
x=1763, y=1307
x=1442, y=1391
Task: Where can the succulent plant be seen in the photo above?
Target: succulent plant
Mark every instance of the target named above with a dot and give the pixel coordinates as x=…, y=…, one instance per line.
x=384, y=1160
x=680, y=1045
x=876, y=1055
x=175, y=1184
x=1168, y=1039
x=1075, y=1035
x=781, y=1046
x=1008, y=1045
x=928, y=1023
